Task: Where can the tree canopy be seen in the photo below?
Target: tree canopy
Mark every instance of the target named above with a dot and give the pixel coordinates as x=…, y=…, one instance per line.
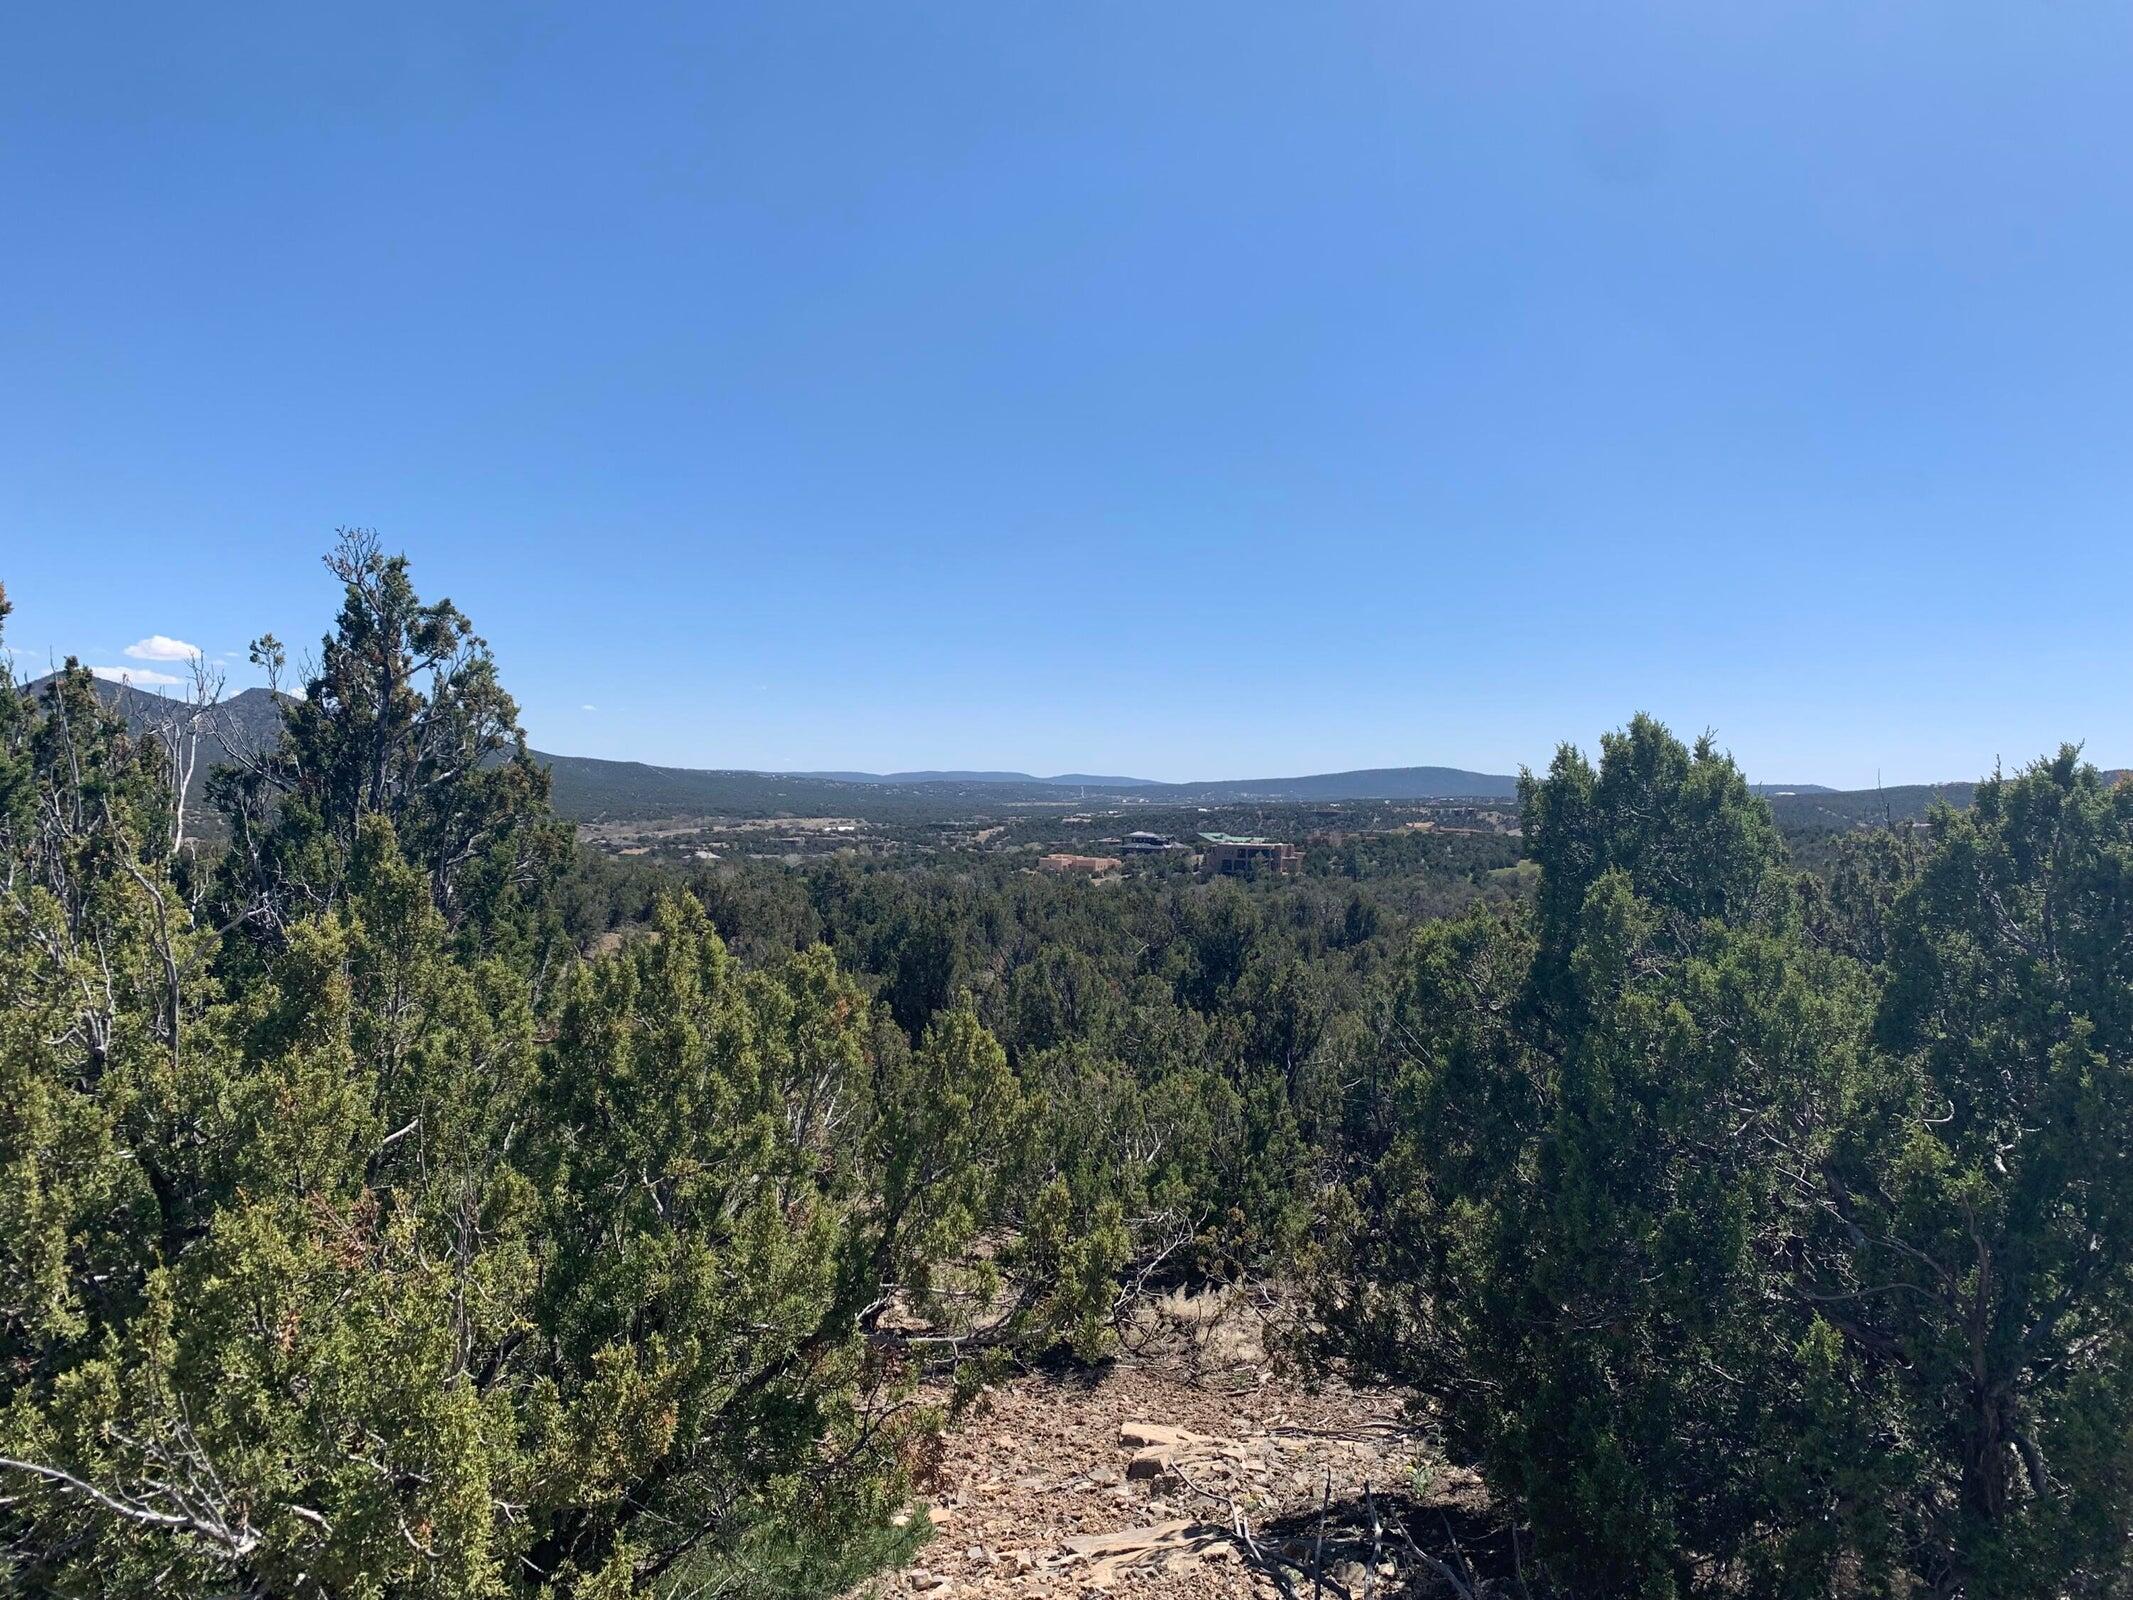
x=396, y=1203
x=1747, y=1260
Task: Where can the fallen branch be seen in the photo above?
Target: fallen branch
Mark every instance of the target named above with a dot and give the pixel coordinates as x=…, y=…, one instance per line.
x=1442, y=1570
x=1267, y=1561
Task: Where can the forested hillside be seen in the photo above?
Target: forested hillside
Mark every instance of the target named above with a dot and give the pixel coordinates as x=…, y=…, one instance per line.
x=397, y=1199
x=590, y=789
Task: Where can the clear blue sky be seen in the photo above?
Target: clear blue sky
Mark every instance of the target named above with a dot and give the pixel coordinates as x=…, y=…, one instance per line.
x=1191, y=390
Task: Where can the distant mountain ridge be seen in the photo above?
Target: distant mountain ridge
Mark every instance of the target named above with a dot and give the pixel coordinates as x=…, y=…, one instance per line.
x=253, y=715
x=1063, y=780
x=1367, y=783
x=1364, y=783
x=589, y=788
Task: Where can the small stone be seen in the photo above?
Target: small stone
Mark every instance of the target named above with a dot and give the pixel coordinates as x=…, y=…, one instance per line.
x=1152, y=1462
x=1139, y=1435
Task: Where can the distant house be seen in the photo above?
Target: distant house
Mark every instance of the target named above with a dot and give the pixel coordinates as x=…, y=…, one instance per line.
x=1229, y=855
x=1094, y=866
x=1142, y=844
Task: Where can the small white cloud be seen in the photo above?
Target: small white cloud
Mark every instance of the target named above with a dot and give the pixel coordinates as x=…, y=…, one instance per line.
x=588, y=708
x=139, y=677
x=161, y=647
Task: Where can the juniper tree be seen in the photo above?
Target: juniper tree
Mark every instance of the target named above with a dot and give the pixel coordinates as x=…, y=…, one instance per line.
x=1747, y=1263
x=1969, y=1231
x=403, y=718
x=323, y=1275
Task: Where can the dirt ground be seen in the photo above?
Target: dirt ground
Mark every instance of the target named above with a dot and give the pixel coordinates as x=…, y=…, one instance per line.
x=1192, y=1466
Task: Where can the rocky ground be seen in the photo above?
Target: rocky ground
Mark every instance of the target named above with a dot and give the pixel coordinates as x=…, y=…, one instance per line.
x=1193, y=1466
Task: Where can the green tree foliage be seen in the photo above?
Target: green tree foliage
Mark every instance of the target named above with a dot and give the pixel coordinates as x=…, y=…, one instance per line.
x=403, y=718
x=97, y=987
x=359, y=1261
x=1205, y=1024
x=386, y=1213
x=1749, y=1261
x=718, y=1240
x=1969, y=1233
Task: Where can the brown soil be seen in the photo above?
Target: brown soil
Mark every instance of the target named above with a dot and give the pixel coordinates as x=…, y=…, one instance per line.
x=1248, y=1480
